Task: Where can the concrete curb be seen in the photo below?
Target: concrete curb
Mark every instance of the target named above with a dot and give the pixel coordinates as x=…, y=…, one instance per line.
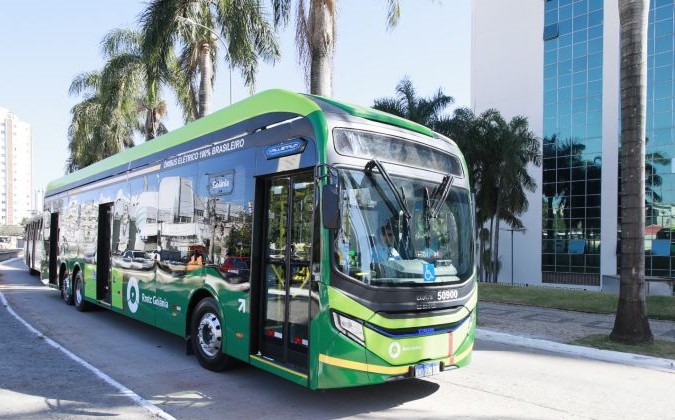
x=666, y=365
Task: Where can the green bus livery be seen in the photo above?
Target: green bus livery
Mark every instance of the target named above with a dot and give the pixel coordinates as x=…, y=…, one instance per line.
x=327, y=243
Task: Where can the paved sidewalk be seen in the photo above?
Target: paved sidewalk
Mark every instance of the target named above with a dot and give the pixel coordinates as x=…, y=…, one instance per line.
x=555, y=324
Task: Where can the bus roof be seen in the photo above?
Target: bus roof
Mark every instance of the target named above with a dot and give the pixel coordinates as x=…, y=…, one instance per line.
x=270, y=101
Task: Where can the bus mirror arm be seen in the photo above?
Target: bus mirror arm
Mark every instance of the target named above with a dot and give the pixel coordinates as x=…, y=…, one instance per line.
x=330, y=206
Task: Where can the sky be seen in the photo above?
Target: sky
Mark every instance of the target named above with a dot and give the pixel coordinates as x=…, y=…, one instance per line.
x=45, y=44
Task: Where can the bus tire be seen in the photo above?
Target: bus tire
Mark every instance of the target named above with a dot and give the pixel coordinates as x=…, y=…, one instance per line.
x=80, y=304
x=207, y=336
x=67, y=290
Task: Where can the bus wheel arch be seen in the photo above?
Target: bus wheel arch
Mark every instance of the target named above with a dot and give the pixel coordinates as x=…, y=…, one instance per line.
x=206, y=332
x=65, y=286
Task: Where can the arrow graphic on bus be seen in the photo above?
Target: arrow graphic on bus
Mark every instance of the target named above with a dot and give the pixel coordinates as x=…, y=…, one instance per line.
x=242, y=305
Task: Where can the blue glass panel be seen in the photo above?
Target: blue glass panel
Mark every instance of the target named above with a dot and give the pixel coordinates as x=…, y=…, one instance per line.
x=580, y=8
x=579, y=105
x=595, y=32
x=565, y=67
x=579, y=22
x=595, y=74
x=595, y=45
x=664, y=27
x=594, y=103
x=594, y=60
x=549, y=85
x=663, y=120
x=663, y=105
x=594, y=88
x=662, y=74
x=550, y=110
x=550, y=56
x=579, y=50
x=663, y=59
x=564, y=94
x=663, y=90
x=564, y=12
x=664, y=43
x=580, y=64
x=593, y=130
x=550, y=71
x=595, y=18
x=565, y=80
x=565, y=27
x=594, y=5
x=578, y=91
x=579, y=36
x=658, y=3
x=551, y=17
x=551, y=5
x=579, y=77
x=565, y=40
x=565, y=53
x=564, y=107
x=664, y=12
x=594, y=117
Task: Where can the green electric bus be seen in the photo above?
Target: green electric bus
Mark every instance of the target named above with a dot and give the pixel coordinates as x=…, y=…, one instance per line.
x=327, y=243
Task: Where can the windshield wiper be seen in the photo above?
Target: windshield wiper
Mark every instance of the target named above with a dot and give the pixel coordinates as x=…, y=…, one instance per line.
x=439, y=195
x=400, y=198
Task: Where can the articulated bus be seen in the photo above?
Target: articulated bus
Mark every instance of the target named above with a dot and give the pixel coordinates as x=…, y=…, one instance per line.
x=256, y=234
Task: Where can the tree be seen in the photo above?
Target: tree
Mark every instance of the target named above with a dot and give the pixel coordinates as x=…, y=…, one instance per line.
x=315, y=33
x=116, y=99
x=406, y=104
x=196, y=26
x=631, y=324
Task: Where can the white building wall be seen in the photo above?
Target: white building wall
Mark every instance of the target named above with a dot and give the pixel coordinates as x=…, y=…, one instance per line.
x=610, y=138
x=507, y=55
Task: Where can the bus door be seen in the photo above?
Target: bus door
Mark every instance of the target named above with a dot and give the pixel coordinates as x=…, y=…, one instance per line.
x=287, y=239
x=103, y=249
x=53, y=247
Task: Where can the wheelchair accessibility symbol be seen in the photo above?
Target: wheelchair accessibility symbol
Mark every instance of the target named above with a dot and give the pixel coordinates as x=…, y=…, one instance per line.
x=429, y=272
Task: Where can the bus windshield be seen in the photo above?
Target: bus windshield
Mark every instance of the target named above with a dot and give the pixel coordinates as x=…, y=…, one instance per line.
x=380, y=244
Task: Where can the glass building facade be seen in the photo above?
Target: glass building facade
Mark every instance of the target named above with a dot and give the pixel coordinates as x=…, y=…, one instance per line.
x=659, y=165
x=572, y=144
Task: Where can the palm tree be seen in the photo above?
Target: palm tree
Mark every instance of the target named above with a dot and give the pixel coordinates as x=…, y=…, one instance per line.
x=128, y=77
x=196, y=26
x=406, y=104
x=631, y=324
x=315, y=33
x=506, y=150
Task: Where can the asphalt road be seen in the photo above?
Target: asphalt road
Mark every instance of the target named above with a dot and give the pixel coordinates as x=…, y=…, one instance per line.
x=502, y=382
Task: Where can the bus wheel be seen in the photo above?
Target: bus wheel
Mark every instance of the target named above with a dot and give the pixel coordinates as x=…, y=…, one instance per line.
x=207, y=336
x=80, y=304
x=67, y=290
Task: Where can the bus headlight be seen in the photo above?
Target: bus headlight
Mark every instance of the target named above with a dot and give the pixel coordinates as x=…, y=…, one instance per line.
x=349, y=327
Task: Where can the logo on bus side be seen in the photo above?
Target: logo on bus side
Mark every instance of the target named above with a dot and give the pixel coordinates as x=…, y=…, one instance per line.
x=286, y=148
x=133, y=294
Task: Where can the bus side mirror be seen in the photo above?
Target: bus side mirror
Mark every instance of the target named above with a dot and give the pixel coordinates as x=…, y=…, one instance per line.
x=330, y=206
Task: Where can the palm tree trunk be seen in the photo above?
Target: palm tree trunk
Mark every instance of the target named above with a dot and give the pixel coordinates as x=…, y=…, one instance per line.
x=631, y=323
x=491, y=276
x=205, y=82
x=322, y=46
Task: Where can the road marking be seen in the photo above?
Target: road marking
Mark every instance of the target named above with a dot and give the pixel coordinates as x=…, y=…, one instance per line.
x=137, y=399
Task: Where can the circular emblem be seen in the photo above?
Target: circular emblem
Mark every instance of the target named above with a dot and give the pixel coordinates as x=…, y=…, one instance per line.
x=394, y=350
x=133, y=294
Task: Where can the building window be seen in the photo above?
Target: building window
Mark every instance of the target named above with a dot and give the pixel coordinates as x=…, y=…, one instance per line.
x=551, y=32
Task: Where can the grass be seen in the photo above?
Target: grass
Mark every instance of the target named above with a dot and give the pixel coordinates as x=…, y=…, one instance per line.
x=659, y=348
x=658, y=307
